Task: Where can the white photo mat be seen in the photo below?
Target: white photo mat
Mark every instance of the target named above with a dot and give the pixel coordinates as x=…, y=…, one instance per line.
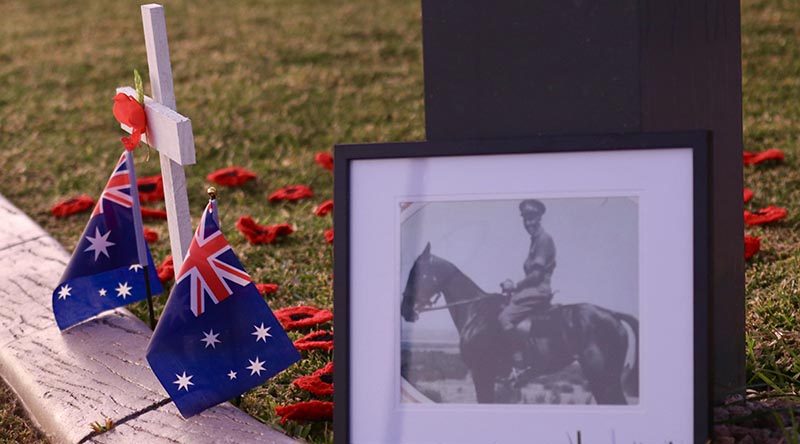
x=662, y=182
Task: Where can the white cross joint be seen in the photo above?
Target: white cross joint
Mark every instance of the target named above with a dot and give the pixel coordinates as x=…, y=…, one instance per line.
x=168, y=132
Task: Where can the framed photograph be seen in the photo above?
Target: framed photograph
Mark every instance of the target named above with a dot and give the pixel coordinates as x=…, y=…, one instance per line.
x=544, y=290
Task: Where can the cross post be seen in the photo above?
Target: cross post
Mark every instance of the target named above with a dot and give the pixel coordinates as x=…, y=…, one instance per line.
x=168, y=132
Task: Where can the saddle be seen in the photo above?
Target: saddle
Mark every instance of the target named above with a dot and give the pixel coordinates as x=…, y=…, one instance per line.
x=539, y=322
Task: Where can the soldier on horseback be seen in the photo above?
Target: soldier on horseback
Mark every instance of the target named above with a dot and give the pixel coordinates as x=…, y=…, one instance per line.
x=532, y=294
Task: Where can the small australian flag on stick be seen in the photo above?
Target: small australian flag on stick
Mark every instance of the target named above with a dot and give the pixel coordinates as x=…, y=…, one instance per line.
x=107, y=268
x=217, y=337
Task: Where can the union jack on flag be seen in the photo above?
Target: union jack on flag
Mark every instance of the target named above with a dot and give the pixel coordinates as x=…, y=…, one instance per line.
x=204, y=354
x=206, y=266
x=107, y=268
x=118, y=188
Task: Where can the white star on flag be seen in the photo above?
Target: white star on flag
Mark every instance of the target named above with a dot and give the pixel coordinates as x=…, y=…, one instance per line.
x=102, y=292
x=211, y=339
x=183, y=381
x=123, y=290
x=99, y=243
x=232, y=375
x=135, y=267
x=256, y=367
x=63, y=292
x=261, y=333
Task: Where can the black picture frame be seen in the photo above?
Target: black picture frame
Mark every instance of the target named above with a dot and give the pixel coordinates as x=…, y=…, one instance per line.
x=698, y=141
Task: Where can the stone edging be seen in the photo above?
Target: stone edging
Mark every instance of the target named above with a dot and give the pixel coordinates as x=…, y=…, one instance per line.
x=95, y=370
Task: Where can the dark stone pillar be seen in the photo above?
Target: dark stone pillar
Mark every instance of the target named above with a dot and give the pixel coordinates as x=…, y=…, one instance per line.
x=515, y=68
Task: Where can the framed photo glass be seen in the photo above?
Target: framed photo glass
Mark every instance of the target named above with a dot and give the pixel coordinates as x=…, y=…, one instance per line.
x=552, y=289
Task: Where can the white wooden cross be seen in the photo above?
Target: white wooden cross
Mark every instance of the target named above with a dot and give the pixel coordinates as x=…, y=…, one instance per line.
x=167, y=131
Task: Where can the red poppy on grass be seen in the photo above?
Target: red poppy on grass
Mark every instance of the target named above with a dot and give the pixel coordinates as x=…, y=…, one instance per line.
x=752, y=245
x=72, y=205
x=151, y=188
x=166, y=271
x=316, y=340
x=153, y=213
x=319, y=383
x=328, y=235
x=150, y=235
x=306, y=411
x=302, y=316
x=128, y=111
x=292, y=193
x=753, y=158
x=748, y=194
x=324, y=159
x=231, y=176
x=764, y=215
x=266, y=289
x=324, y=208
x=262, y=234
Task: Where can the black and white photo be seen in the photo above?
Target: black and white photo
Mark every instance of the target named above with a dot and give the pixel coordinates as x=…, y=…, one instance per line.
x=529, y=301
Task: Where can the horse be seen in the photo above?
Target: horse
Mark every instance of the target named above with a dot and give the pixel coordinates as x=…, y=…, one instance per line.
x=593, y=336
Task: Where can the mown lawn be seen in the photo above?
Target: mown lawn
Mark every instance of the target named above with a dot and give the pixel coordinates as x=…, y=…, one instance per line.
x=15, y=426
x=268, y=84
x=771, y=85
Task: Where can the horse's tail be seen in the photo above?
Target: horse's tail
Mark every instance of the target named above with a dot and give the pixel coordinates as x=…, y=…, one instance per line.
x=630, y=379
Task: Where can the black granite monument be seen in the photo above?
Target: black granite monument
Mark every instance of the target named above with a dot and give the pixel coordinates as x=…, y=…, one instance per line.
x=514, y=68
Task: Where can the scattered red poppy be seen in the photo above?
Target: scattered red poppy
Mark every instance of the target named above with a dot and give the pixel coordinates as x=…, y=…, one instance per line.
x=231, y=176
x=316, y=340
x=753, y=158
x=150, y=235
x=262, y=234
x=153, y=213
x=324, y=159
x=765, y=215
x=748, y=194
x=151, y=188
x=72, y=205
x=306, y=411
x=324, y=208
x=166, y=271
x=752, y=245
x=329, y=235
x=319, y=383
x=302, y=316
x=128, y=111
x=266, y=289
x=291, y=192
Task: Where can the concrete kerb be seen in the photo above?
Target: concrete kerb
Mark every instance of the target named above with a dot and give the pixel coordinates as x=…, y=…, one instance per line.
x=96, y=370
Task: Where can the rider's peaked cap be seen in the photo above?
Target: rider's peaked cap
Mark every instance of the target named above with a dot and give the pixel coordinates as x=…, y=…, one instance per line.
x=531, y=208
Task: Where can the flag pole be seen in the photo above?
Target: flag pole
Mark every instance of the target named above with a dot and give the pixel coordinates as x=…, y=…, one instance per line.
x=138, y=227
x=212, y=197
x=150, y=310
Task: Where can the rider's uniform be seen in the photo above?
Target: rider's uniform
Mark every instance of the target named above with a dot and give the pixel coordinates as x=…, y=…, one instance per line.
x=541, y=256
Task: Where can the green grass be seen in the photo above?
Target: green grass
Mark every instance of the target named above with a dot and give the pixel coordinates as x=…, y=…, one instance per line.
x=15, y=427
x=771, y=84
x=269, y=83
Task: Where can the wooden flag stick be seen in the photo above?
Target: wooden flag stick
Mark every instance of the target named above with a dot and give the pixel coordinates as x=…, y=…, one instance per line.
x=138, y=228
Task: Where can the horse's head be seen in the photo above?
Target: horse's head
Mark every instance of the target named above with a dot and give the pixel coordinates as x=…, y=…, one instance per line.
x=422, y=285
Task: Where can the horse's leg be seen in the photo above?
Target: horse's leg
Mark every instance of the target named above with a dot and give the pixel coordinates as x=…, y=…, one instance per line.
x=603, y=374
x=484, y=385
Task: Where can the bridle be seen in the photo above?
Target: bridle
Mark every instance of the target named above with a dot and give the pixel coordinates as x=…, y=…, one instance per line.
x=430, y=305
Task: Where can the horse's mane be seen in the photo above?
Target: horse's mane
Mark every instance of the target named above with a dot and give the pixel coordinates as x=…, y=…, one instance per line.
x=450, y=271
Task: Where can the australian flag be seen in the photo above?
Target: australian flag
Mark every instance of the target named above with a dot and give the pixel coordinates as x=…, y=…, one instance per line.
x=107, y=268
x=216, y=338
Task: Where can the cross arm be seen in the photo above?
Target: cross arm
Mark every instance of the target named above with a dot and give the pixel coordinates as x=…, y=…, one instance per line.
x=168, y=132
